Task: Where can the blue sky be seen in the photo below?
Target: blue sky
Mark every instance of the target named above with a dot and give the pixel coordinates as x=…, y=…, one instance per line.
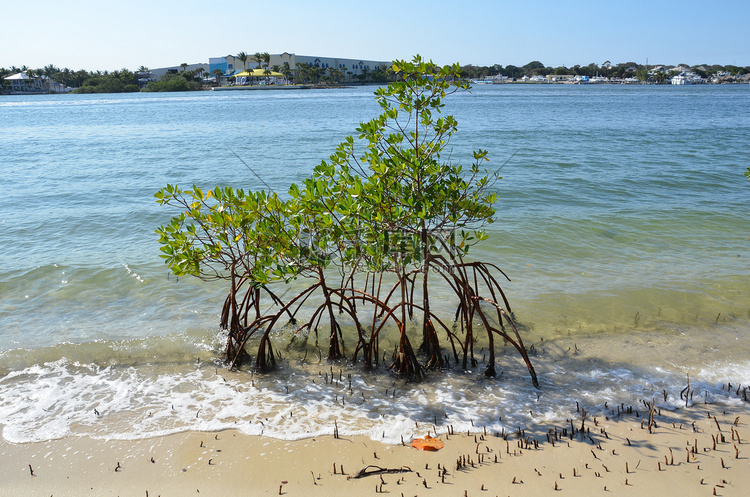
x=106, y=35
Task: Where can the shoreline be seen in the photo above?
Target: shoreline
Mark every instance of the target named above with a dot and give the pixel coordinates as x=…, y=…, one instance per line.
x=355, y=85
x=700, y=450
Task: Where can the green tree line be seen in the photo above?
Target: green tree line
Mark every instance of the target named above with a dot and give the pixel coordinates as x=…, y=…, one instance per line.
x=606, y=69
x=120, y=81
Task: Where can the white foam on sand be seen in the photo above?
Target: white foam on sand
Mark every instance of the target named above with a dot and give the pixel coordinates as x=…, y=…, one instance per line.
x=63, y=398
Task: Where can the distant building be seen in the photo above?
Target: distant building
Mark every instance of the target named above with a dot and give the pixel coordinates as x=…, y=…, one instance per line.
x=553, y=78
x=23, y=84
x=687, y=78
x=230, y=64
x=680, y=79
x=537, y=78
x=144, y=78
x=352, y=67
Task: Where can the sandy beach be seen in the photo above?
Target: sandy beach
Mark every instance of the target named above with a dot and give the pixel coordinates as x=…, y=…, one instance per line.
x=701, y=450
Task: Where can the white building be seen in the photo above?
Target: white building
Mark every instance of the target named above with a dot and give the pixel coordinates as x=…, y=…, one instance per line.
x=23, y=84
x=687, y=78
x=352, y=67
x=680, y=79
x=557, y=78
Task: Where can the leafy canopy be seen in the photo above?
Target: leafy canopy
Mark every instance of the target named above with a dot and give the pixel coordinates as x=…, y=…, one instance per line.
x=383, y=208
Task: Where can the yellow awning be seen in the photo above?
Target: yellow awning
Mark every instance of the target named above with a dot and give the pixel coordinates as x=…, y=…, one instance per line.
x=258, y=73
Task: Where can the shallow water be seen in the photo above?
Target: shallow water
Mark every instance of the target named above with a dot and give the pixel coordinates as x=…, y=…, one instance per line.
x=623, y=225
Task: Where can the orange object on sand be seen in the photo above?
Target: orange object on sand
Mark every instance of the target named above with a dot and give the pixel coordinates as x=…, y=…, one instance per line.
x=427, y=443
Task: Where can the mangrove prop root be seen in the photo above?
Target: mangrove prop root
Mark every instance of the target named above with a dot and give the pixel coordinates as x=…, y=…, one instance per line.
x=337, y=305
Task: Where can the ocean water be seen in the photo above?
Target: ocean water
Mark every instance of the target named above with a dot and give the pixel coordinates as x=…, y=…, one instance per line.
x=623, y=224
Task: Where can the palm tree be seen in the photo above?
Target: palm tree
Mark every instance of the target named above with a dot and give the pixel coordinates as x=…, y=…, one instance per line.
x=303, y=71
x=335, y=74
x=49, y=71
x=262, y=59
x=315, y=73
x=243, y=58
x=66, y=76
x=184, y=66
x=218, y=74
x=266, y=61
x=80, y=77
x=258, y=58
x=286, y=71
x=33, y=75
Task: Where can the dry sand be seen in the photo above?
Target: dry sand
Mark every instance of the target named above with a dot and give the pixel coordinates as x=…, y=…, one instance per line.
x=703, y=450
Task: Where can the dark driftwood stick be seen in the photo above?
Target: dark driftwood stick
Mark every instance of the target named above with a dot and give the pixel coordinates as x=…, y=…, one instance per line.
x=377, y=470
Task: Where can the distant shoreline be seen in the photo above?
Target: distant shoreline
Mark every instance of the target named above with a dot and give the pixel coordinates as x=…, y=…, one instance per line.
x=260, y=87
x=341, y=87
x=281, y=87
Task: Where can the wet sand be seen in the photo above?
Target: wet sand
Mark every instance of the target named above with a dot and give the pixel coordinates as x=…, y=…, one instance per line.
x=702, y=450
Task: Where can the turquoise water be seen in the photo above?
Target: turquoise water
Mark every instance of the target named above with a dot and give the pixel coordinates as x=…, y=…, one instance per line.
x=623, y=223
